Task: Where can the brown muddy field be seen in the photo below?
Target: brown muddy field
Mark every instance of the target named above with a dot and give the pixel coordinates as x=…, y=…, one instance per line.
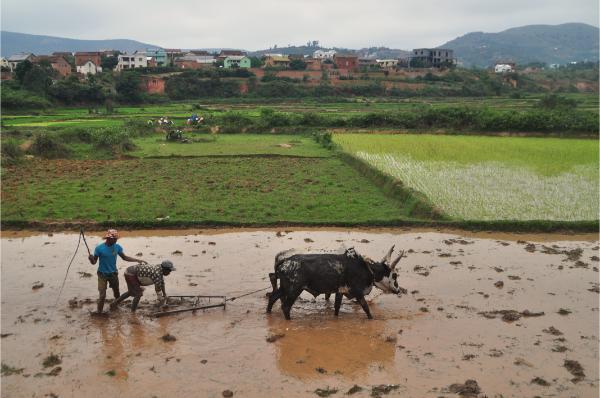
x=516, y=314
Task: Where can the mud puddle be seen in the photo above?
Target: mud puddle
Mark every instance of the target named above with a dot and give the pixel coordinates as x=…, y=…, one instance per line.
x=458, y=324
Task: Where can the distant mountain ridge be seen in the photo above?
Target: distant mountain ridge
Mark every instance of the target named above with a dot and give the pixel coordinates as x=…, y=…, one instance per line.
x=532, y=43
x=13, y=42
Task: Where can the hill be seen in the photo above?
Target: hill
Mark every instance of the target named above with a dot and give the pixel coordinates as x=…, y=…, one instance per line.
x=533, y=43
x=13, y=42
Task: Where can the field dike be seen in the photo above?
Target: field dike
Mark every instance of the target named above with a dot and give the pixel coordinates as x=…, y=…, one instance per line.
x=419, y=205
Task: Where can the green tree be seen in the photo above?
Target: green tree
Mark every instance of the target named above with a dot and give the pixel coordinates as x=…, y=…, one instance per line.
x=256, y=62
x=109, y=62
x=71, y=91
x=297, y=64
x=416, y=63
x=38, y=78
x=128, y=87
x=21, y=69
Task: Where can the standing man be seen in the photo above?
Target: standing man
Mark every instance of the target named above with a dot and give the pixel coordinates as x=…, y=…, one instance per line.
x=137, y=276
x=107, y=270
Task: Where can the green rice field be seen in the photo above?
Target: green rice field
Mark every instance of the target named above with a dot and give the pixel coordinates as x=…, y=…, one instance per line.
x=489, y=178
x=233, y=190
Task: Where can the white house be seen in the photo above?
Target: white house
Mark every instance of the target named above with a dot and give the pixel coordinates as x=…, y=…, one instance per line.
x=89, y=68
x=320, y=54
x=387, y=63
x=504, y=68
x=132, y=61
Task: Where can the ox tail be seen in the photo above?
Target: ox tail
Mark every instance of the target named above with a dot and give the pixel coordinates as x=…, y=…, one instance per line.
x=279, y=260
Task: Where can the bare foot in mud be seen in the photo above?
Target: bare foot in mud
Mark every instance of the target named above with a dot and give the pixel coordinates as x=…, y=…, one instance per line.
x=97, y=314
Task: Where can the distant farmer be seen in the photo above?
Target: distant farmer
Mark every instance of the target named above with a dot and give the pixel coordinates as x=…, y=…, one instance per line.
x=137, y=276
x=107, y=270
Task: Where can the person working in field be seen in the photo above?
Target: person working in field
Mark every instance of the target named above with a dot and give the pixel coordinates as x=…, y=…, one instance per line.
x=107, y=269
x=137, y=276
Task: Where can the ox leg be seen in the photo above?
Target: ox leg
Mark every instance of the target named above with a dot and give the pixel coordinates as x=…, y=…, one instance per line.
x=287, y=301
x=365, y=306
x=276, y=295
x=338, y=303
x=327, y=295
x=273, y=279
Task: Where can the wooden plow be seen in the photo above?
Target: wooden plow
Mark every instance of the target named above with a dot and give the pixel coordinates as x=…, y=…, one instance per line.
x=191, y=303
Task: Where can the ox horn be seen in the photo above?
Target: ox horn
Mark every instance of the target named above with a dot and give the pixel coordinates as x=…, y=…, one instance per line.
x=388, y=256
x=397, y=260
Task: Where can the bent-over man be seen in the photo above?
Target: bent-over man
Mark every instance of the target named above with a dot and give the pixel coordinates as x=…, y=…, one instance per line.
x=107, y=269
x=137, y=276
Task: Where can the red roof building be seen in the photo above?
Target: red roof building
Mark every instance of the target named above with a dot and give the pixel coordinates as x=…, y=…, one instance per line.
x=345, y=61
x=59, y=64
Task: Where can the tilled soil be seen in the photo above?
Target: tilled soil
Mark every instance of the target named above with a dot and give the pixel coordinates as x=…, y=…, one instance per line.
x=457, y=332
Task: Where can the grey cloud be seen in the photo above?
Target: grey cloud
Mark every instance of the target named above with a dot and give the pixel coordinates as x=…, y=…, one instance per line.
x=263, y=23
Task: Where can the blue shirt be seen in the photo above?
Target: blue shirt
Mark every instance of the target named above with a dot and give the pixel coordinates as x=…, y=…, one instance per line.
x=108, y=257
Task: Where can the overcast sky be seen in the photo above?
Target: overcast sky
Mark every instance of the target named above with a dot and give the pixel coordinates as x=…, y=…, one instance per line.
x=260, y=24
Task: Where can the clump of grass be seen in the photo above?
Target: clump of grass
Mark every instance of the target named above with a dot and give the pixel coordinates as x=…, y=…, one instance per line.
x=7, y=370
x=51, y=360
x=168, y=337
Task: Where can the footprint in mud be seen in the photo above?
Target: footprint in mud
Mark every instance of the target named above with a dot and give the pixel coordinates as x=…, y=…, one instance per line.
x=539, y=381
x=469, y=389
x=575, y=369
x=553, y=331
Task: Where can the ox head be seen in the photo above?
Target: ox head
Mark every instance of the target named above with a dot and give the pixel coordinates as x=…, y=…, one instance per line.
x=386, y=277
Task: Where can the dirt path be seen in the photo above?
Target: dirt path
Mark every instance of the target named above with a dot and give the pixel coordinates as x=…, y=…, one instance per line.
x=458, y=321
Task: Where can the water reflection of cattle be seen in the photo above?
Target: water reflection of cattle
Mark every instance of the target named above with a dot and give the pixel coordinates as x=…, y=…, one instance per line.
x=348, y=274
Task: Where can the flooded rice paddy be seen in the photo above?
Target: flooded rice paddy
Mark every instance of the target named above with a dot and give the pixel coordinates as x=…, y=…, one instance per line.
x=517, y=314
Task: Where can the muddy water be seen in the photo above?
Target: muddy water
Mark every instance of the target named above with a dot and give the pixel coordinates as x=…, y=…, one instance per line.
x=423, y=341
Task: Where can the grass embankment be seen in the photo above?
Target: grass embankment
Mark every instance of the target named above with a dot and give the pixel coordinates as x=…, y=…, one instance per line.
x=489, y=178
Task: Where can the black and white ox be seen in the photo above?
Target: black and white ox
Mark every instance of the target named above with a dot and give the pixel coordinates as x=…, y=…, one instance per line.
x=348, y=274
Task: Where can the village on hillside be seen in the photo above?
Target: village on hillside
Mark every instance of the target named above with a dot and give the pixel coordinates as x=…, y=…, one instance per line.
x=156, y=61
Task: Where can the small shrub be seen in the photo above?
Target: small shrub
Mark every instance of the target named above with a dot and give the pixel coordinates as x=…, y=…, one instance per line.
x=138, y=128
x=324, y=138
x=76, y=134
x=554, y=101
x=49, y=147
x=11, y=153
x=115, y=138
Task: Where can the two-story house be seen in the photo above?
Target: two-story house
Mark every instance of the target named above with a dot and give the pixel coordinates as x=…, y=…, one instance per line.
x=132, y=61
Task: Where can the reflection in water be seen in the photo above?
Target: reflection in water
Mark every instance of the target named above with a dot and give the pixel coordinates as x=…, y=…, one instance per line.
x=111, y=349
x=122, y=337
x=348, y=347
